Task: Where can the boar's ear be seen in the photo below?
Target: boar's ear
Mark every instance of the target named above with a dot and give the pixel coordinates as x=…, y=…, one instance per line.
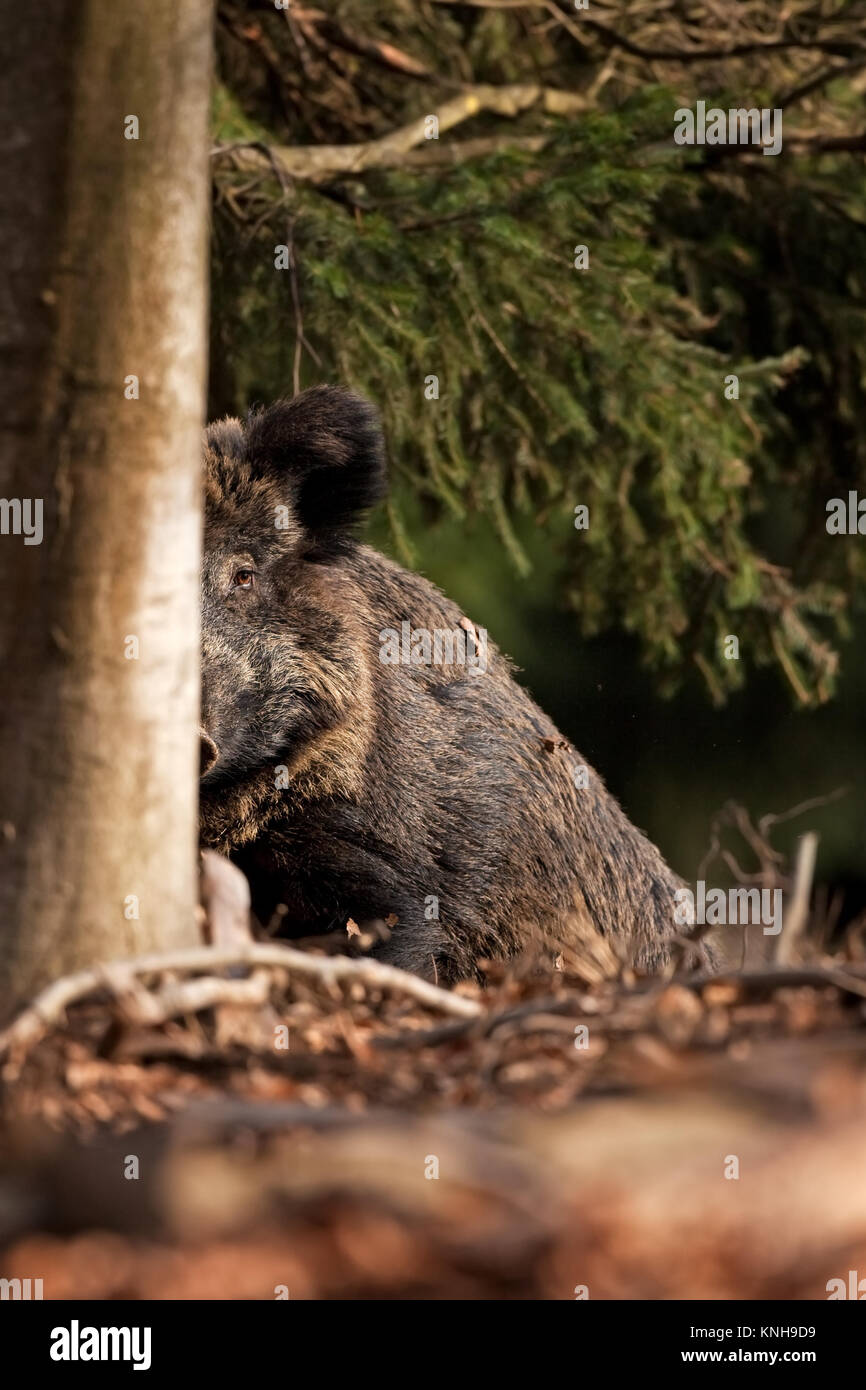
x=327, y=445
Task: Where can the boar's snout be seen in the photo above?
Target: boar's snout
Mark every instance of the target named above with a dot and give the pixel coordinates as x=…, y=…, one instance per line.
x=208, y=752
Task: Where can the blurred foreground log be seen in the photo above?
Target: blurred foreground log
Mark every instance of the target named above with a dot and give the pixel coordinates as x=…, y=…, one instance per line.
x=626, y=1197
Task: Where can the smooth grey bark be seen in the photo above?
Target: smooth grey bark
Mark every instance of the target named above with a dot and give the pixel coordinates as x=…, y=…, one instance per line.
x=103, y=244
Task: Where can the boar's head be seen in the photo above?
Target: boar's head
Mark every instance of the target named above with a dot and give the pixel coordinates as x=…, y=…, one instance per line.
x=279, y=628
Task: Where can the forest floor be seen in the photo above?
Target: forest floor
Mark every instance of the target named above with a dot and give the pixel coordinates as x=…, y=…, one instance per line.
x=254, y=1131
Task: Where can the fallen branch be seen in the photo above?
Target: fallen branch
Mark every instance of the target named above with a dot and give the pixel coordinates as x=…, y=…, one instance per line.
x=120, y=976
x=805, y=144
x=780, y=977
x=395, y=149
x=573, y=1006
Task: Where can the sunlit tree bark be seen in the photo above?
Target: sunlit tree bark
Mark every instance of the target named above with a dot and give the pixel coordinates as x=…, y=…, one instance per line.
x=103, y=230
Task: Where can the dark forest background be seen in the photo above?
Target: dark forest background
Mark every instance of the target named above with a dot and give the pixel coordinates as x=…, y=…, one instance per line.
x=408, y=257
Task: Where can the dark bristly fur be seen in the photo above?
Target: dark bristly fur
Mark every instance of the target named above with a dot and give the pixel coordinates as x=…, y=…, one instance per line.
x=405, y=783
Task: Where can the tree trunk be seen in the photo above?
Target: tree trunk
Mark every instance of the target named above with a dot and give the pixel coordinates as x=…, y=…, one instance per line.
x=103, y=245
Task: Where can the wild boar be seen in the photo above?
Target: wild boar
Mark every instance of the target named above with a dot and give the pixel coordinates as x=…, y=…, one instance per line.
x=352, y=774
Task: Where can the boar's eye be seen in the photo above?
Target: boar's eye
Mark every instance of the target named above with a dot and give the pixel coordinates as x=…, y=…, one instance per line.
x=244, y=579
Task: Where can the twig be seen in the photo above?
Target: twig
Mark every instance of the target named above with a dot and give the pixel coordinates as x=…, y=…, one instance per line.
x=797, y=914
x=382, y=53
x=817, y=80
x=177, y=998
x=483, y=1027
x=812, y=804
x=673, y=55
x=118, y=976
x=296, y=306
